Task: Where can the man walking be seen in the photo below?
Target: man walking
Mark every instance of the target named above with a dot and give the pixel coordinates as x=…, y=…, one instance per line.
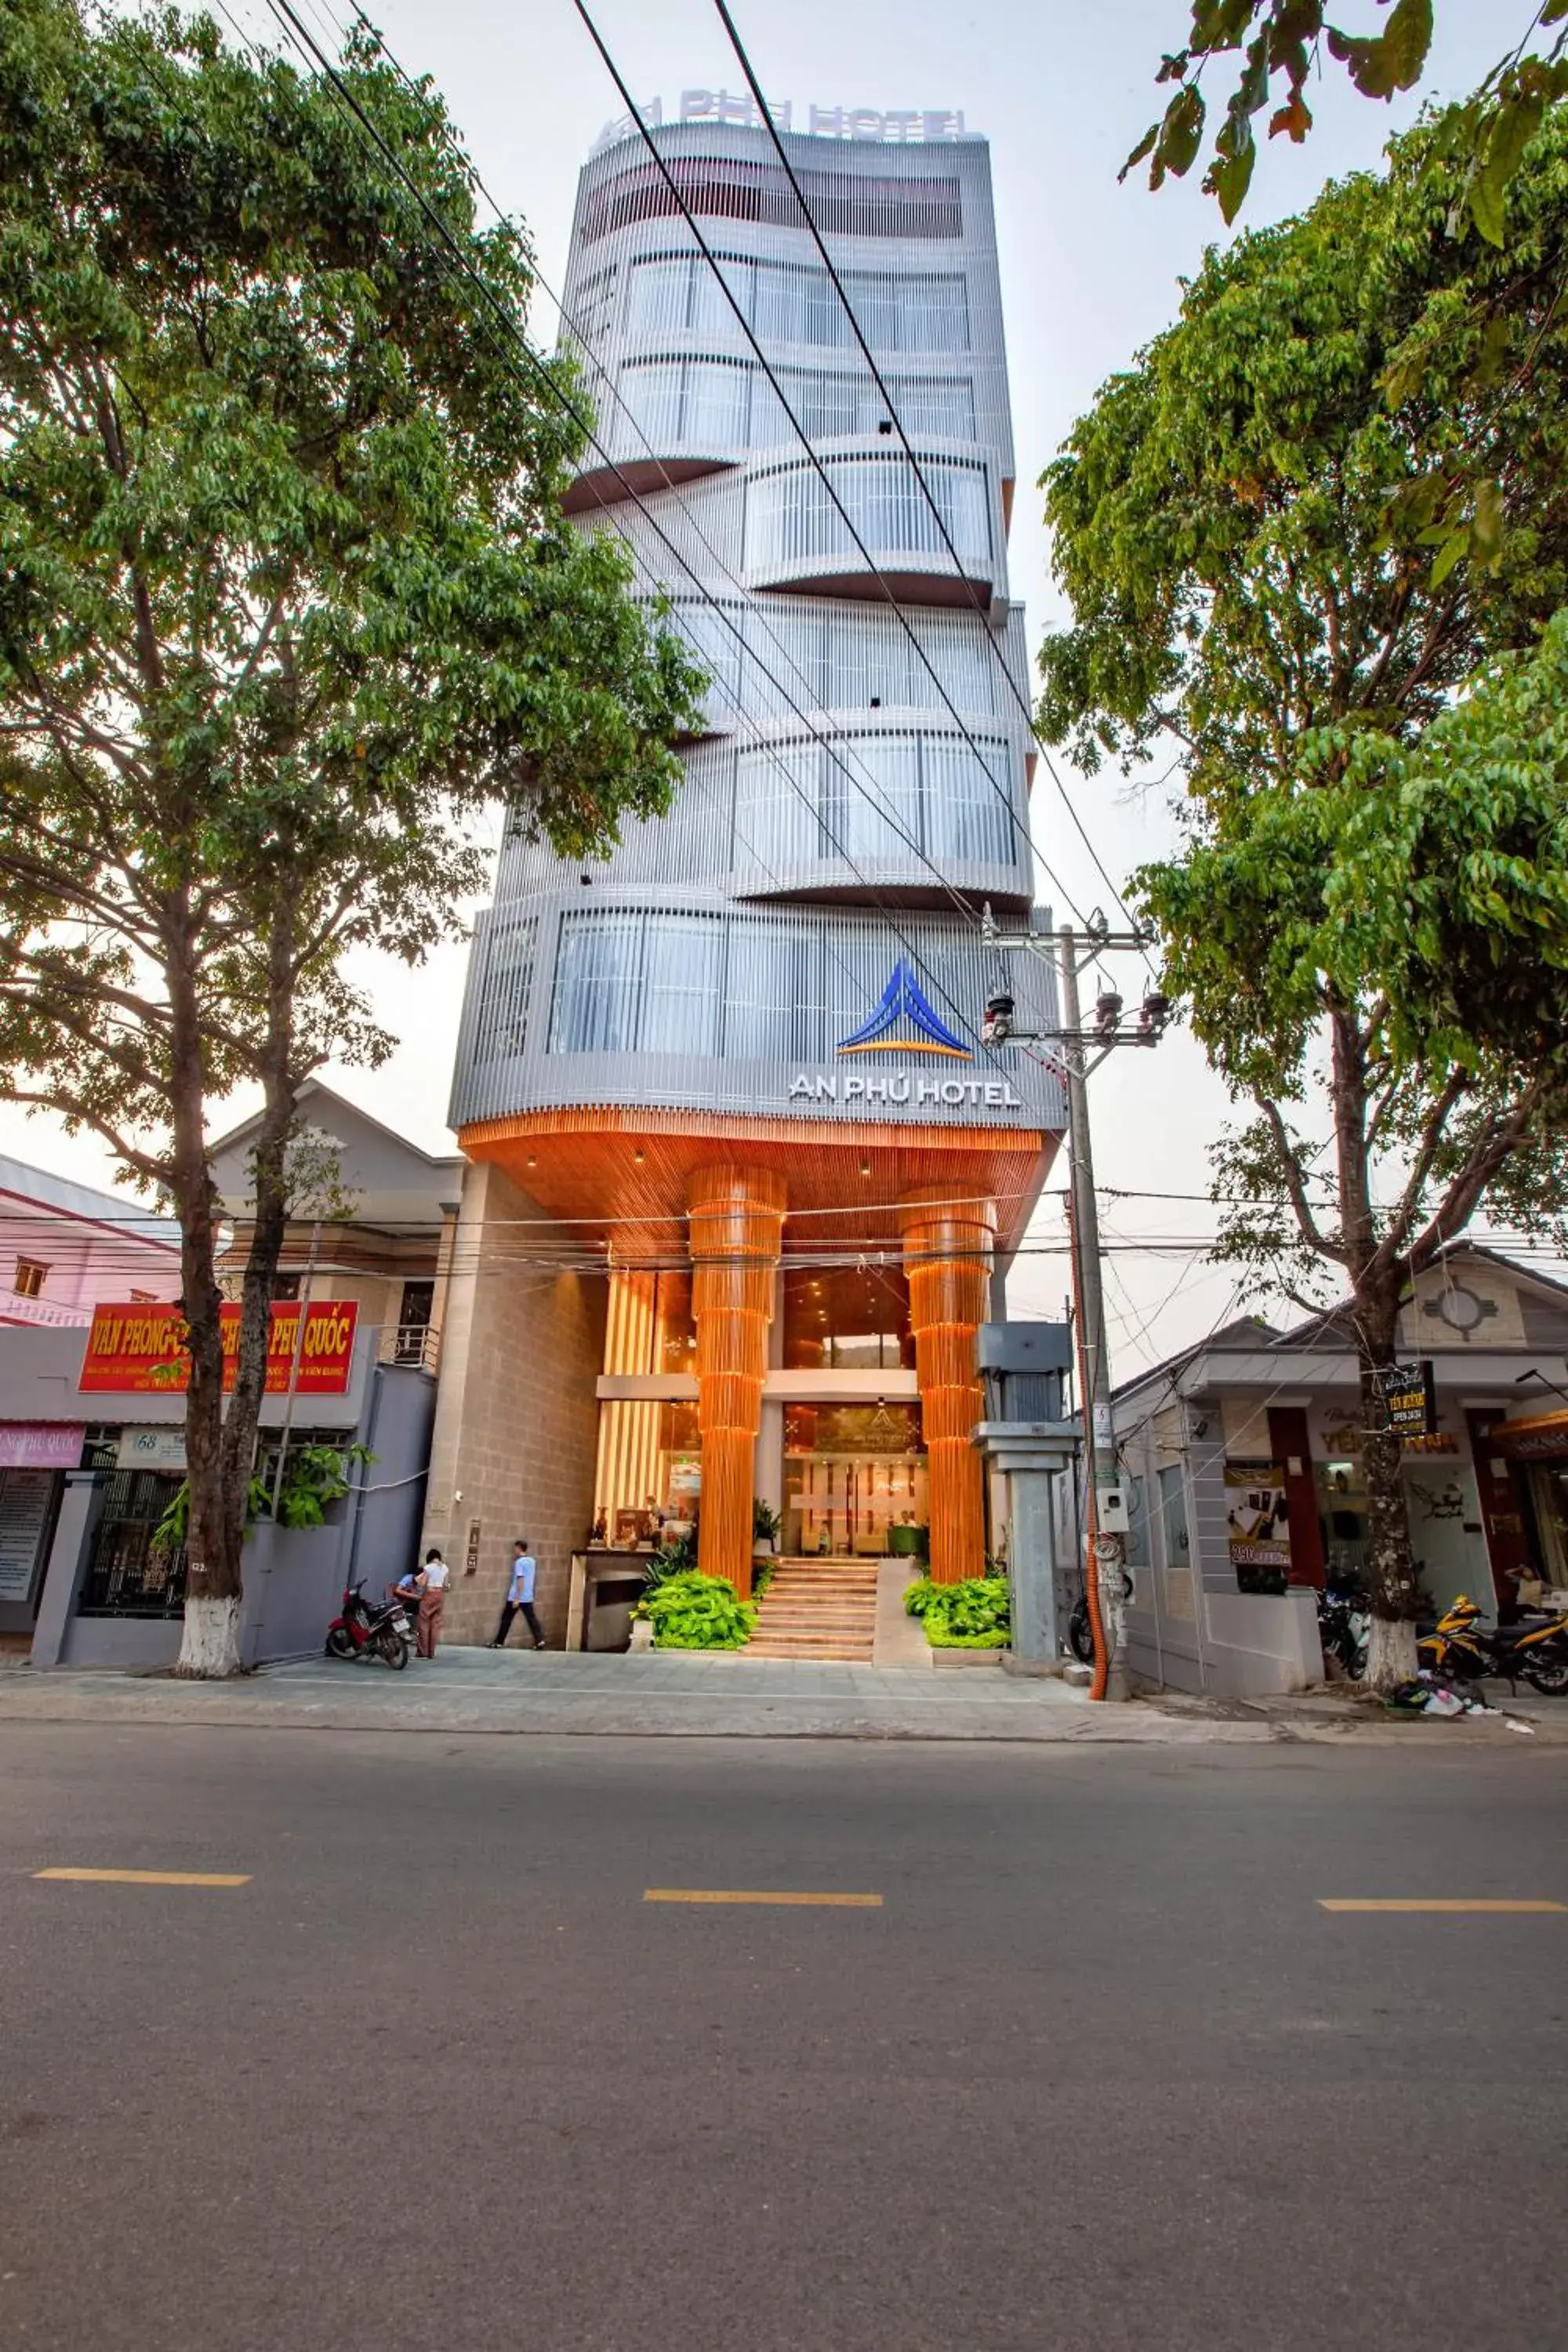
x=433, y=1581
x=520, y=1596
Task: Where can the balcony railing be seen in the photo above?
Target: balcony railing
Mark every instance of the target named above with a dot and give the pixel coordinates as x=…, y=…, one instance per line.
x=48, y=1314
x=418, y=1344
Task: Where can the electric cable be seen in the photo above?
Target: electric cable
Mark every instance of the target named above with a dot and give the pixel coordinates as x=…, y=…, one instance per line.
x=771, y=127
x=817, y=466
x=288, y=15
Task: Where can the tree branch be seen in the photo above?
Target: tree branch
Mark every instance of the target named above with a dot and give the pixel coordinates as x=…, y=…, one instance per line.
x=1487, y=1155
x=1427, y=1148
x=1295, y=1182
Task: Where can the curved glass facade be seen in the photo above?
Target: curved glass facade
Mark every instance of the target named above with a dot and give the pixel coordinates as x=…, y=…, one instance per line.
x=861, y=787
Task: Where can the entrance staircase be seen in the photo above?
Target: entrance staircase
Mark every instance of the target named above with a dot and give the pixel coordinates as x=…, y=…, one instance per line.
x=818, y=1609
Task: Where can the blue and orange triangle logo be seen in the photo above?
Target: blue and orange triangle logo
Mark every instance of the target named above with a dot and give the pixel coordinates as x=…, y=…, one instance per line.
x=903, y=1019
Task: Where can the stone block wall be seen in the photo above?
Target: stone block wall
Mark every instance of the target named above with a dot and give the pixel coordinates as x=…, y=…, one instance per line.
x=517, y=1412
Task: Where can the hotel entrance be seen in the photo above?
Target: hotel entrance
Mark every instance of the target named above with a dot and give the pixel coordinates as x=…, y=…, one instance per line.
x=855, y=1480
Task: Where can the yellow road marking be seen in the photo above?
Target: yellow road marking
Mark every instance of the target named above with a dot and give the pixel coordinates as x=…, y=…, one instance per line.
x=725, y=1895
x=1439, y=1903
x=154, y=1877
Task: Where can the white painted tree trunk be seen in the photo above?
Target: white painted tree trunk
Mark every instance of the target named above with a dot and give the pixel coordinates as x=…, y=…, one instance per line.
x=1390, y=1653
x=210, y=1649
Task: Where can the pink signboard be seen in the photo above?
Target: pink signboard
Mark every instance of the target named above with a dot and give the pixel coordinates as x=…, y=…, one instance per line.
x=40, y=1444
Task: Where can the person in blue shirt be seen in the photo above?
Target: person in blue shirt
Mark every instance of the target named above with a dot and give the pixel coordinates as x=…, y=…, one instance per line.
x=519, y=1597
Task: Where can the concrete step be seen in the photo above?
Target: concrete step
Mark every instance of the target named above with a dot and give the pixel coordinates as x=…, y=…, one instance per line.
x=818, y=1632
x=851, y=1653
x=789, y=1612
x=823, y=1584
x=812, y=1604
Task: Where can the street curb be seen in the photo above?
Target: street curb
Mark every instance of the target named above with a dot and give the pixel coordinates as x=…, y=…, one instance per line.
x=591, y=1716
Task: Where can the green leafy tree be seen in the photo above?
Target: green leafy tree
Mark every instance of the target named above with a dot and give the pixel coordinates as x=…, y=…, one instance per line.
x=286, y=599
x=1367, y=915
x=1281, y=43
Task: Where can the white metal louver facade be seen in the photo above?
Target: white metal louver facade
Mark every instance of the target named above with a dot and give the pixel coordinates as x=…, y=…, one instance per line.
x=835, y=806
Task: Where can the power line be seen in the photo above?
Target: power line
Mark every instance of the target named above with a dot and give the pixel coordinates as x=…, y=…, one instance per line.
x=822, y=735
x=815, y=462
x=772, y=128
x=305, y=40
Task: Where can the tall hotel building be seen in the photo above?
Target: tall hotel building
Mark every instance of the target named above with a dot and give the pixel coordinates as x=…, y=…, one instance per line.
x=742, y=1171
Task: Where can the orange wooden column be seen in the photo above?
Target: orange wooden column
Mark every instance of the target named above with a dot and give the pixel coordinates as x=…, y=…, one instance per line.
x=947, y=1256
x=736, y=1224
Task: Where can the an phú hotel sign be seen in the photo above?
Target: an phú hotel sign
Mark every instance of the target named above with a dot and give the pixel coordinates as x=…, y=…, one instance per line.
x=904, y=1023
x=903, y=126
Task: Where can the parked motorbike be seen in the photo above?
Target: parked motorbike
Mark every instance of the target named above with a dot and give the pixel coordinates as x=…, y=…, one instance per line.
x=1344, y=1628
x=1460, y=1648
x=1080, y=1633
x=362, y=1629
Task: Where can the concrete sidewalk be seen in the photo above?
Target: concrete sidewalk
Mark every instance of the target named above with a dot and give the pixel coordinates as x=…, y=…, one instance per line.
x=477, y=1690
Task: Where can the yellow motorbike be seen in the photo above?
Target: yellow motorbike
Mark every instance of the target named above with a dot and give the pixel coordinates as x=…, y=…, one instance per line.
x=1460, y=1648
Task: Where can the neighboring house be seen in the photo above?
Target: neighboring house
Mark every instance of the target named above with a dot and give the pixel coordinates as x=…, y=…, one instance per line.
x=65, y=1245
x=1243, y=1464
x=384, y=1242
x=87, y=1474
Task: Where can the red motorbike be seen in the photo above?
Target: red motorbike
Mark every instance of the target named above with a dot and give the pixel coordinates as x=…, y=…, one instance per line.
x=364, y=1632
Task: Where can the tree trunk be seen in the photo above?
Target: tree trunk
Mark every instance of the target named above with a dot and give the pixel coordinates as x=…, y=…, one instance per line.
x=220, y=1445
x=1390, y=1568
x=210, y=1641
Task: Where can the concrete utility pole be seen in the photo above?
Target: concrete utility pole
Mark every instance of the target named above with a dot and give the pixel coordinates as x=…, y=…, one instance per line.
x=1105, y=1568
x=1107, y=1551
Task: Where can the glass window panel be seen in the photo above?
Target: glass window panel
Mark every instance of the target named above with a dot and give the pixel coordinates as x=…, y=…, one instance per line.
x=712, y=641
x=858, y=1318
x=960, y=491
x=769, y=426
x=715, y=406
x=966, y=820
x=776, y=807
x=874, y=304
x=503, y=1003
x=773, y=1011
x=651, y=390
x=822, y=313
x=789, y=646
x=780, y=303
x=871, y=800
x=789, y=520
x=595, y=1004
x=675, y=1329
x=864, y=655
x=682, y=955
x=943, y=407
x=933, y=314
x=824, y=404
x=710, y=313
x=961, y=655
x=887, y=506
x=659, y=294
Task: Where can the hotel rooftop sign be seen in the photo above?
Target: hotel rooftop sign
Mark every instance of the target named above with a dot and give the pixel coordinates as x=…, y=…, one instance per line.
x=897, y=126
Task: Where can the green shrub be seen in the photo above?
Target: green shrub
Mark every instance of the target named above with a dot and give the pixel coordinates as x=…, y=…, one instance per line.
x=692, y=1612
x=676, y=1556
x=971, y=1615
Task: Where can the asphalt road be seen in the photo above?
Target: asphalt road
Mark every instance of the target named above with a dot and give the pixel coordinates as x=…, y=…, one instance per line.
x=1098, y=2072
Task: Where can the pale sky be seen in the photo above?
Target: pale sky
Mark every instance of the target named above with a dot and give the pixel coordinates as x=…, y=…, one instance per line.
x=1089, y=271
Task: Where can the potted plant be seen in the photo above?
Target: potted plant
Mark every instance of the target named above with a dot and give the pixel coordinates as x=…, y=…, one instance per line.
x=765, y=1525
x=904, y=1539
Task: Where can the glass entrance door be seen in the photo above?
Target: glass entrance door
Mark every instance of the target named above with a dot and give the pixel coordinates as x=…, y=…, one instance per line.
x=852, y=1475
